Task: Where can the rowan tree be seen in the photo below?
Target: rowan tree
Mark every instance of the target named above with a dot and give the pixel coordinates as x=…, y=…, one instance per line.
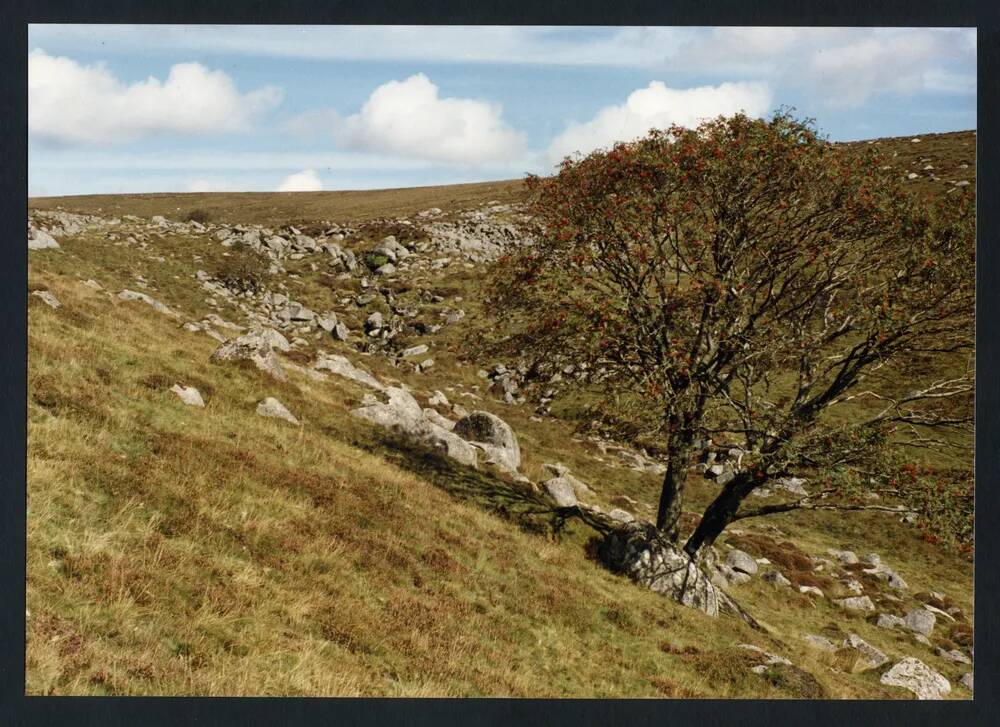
x=749, y=283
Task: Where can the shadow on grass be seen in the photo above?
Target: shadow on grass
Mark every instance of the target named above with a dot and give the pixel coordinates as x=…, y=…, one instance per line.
x=514, y=501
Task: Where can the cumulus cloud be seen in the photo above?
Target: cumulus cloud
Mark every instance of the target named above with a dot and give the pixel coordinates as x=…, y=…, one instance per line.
x=305, y=181
x=410, y=118
x=659, y=106
x=73, y=103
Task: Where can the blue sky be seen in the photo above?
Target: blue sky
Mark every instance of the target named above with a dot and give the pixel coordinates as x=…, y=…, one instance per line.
x=258, y=108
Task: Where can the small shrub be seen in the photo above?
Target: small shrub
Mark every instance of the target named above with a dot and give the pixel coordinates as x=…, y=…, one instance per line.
x=374, y=260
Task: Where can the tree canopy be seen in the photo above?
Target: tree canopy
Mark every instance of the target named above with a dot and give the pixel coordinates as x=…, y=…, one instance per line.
x=750, y=285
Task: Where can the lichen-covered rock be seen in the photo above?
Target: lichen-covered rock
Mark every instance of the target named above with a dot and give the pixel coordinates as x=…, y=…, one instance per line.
x=917, y=677
x=920, y=621
x=857, y=603
x=888, y=621
x=493, y=435
x=638, y=551
x=253, y=347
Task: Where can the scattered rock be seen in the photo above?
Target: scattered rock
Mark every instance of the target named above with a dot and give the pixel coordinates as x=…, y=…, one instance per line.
x=793, y=485
x=857, y=655
x=271, y=407
x=812, y=590
x=917, y=677
x=46, y=297
x=188, y=394
x=274, y=339
x=254, y=347
x=622, y=516
x=131, y=295
x=740, y=561
x=856, y=603
x=954, y=655
x=768, y=657
x=561, y=490
x=414, y=351
x=401, y=413
x=493, y=435
x=966, y=680
x=920, y=621
x=888, y=621
x=438, y=399
x=844, y=557
x=776, y=578
x=41, y=240
x=938, y=611
x=342, y=367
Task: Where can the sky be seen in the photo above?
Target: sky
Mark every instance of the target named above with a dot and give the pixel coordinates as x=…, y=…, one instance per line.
x=175, y=108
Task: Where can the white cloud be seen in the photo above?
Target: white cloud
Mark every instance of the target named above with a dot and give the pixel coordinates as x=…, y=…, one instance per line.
x=73, y=103
x=841, y=67
x=305, y=181
x=623, y=47
x=897, y=62
x=411, y=119
x=659, y=106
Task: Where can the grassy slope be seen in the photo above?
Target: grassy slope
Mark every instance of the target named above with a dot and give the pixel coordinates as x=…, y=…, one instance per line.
x=182, y=551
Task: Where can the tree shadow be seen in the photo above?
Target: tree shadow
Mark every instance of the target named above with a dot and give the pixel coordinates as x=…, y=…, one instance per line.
x=515, y=501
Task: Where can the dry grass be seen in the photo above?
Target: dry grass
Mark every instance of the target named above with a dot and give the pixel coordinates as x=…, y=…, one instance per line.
x=174, y=550
x=282, y=208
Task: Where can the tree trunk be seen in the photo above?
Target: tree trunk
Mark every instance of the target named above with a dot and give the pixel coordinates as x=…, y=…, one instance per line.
x=672, y=494
x=720, y=513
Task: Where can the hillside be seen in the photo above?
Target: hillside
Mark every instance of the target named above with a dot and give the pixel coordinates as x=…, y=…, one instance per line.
x=185, y=549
